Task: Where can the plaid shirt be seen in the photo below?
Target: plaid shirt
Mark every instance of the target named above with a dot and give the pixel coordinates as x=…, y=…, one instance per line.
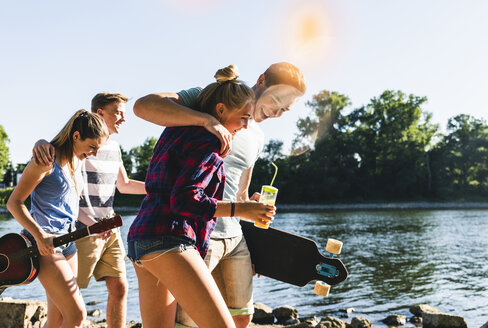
x=185, y=178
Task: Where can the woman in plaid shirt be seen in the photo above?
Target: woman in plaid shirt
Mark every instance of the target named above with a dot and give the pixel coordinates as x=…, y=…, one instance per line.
x=169, y=237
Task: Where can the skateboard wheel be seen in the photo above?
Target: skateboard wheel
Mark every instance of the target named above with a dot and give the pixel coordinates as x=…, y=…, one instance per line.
x=333, y=246
x=321, y=288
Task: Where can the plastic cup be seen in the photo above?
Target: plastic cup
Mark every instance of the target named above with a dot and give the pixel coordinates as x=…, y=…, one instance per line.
x=268, y=197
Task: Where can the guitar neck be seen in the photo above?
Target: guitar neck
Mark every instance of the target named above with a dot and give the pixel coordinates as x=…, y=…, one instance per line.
x=64, y=239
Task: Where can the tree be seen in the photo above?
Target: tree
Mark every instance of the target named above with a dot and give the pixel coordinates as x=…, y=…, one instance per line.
x=127, y=160
x=326, y=111
x=4, y=151
x=273, y=150
x=9, y=178
x=142, y=156
x=391, y=137
x=460, y=159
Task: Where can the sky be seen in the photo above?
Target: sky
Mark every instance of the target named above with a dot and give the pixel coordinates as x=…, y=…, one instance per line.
x=56, y=55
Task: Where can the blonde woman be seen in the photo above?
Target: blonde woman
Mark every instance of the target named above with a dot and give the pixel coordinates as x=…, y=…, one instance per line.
x=54, y=192
x=169, y=237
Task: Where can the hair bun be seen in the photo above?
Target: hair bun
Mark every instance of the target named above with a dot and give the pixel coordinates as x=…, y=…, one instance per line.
x=227, y=74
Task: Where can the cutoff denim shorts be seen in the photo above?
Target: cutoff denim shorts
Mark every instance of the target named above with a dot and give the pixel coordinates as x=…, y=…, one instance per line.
x=162, y=245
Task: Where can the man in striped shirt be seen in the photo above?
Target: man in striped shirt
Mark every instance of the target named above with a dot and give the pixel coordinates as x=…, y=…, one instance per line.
x=102, y=256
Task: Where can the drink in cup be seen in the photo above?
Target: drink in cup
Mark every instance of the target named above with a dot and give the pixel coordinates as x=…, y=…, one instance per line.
x=268, y=197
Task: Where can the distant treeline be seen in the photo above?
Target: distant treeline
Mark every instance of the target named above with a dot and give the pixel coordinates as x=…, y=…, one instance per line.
x=386, y=150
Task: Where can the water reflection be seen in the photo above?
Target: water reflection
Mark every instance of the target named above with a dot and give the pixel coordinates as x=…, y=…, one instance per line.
x=395, y=259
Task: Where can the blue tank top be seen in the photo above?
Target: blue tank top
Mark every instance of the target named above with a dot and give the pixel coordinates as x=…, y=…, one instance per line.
x=55, y=202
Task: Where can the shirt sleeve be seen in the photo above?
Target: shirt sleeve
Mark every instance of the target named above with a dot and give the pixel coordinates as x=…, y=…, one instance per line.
x=190, y=96
x=188, y=197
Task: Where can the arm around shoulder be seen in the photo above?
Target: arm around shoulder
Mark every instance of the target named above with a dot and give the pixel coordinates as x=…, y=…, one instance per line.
x=168, y=109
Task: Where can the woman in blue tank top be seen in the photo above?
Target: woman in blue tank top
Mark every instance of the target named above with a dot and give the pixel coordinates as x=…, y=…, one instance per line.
x=54, y=192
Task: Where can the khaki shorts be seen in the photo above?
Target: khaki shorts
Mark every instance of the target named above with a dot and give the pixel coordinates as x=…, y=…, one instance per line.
x=229, y=261
x=100, y=258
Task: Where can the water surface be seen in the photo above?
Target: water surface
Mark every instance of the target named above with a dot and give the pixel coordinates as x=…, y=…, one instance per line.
x=395, y=259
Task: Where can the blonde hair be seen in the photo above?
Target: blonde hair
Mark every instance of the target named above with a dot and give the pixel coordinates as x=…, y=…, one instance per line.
x=285, y=73
x=104, y=98
x=89, y=125
x=228, y=90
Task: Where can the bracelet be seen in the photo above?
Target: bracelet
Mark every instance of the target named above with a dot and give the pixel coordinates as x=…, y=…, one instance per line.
x=232, y=208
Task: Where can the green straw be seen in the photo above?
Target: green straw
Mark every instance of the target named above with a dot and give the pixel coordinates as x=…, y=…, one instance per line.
x=276, y=171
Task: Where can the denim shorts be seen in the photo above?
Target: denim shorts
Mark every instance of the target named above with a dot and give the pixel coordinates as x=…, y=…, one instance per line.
x=162, y=245
x=66, y=249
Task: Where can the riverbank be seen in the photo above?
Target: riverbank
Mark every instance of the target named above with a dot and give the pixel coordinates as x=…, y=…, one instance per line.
x=421, y=205
x=32, y=313
x=424, y=205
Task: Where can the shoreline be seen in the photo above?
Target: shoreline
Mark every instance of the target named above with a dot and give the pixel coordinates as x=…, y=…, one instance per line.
x=419, y=205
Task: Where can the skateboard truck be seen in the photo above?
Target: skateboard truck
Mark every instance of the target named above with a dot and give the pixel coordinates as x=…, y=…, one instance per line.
x=326, y=270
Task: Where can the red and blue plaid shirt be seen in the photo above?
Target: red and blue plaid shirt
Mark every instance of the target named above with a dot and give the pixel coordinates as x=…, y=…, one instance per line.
x=185, y=178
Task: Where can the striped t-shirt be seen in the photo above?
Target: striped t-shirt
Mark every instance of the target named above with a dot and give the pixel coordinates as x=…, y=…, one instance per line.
x=100, y=177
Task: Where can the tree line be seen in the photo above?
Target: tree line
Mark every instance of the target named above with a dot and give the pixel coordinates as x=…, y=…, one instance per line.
x=386, y=150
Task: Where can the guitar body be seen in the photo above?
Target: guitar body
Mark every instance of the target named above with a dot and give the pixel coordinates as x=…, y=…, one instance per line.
x=21, y=271
x=19, y=257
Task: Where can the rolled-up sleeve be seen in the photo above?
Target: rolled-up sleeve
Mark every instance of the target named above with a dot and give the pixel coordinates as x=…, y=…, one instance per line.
x=188, y=196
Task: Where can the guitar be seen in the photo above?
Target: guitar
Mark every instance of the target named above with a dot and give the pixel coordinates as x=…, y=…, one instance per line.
x=19, y=259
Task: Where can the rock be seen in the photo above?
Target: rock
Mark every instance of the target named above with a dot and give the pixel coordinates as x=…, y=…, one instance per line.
x=442, y=320
x=485, y=325
x=134, y=324
x=263, y=314
x=310, y=322
x=94, y=313
x=360, y=322
x=92, y=303
x=347, y=310
x=331, y=322
x=22, y=313
x=395, y=320
x=419, y=309
x=417, y=320
x=286, y=315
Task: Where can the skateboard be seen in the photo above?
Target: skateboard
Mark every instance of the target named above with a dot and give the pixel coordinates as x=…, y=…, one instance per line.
x=293, y=259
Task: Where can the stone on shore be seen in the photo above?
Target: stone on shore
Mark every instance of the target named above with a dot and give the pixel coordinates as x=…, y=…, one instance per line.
x=443, y=320
x=360, y=322
x=286, y=315
x=433, y=318
x=263, y=314
x=331, y=322
x=22, y=313
x=395, y=320
x=420, y=309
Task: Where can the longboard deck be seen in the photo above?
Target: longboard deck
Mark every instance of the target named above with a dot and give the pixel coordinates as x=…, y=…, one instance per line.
x=289, y=258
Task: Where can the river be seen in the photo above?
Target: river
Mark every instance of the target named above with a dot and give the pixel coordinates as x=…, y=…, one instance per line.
x=395, y=259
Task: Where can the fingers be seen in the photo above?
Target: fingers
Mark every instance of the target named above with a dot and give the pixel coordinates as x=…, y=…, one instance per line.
x=43, y=156
x=46, y=250
x=226, y=141
x=256, y=197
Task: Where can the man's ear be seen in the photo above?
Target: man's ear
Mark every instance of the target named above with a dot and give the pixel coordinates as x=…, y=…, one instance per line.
x=261, y=82
x=100, y=112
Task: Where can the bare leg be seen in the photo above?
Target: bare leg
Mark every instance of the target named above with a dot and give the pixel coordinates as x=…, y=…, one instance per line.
x=187, y=277
x=65, y=303
x=242, y=320
x=117, y=301
x=158, y=306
